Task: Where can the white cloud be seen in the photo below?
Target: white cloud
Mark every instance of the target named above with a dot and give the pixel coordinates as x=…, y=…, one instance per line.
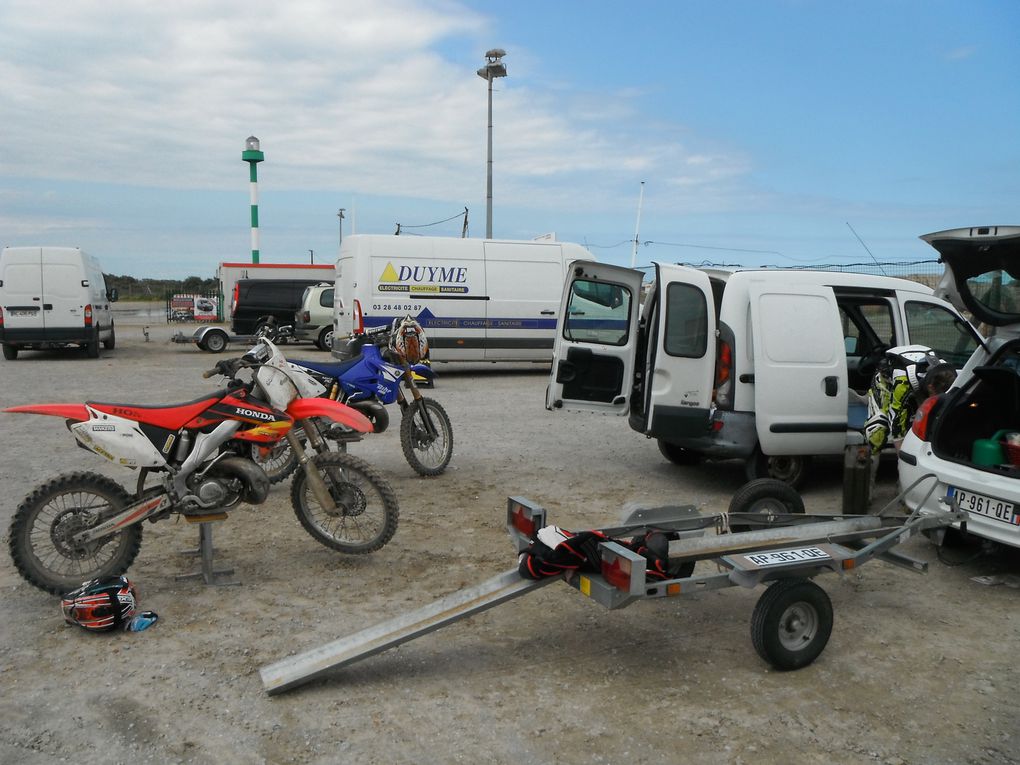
x=343, y=95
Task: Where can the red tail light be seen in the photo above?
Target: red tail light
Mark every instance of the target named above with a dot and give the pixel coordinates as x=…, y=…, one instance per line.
x=724, y=376
x=1, y=317
x=88, y=316
x=233, y=300
x=923, y=417
x=359, y=320
x=306, y=317
x=617, y=572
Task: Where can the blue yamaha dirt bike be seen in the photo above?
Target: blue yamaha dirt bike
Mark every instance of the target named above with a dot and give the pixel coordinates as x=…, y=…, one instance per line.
x=368, y=381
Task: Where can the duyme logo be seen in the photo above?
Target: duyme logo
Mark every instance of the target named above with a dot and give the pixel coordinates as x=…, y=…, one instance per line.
x=423, y=279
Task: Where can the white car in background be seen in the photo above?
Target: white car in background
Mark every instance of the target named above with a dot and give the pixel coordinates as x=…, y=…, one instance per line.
x=962, y=436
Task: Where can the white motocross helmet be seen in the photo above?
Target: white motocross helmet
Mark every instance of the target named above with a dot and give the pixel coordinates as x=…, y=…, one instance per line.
x=913, y=362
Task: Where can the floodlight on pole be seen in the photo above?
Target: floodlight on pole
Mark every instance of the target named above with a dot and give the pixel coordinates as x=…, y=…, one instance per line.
x=494, y=67
x=252, y=155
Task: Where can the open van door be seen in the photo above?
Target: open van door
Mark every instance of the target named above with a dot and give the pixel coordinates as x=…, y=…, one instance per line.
x=800, y=376
x=596, y=339
x=679, y=369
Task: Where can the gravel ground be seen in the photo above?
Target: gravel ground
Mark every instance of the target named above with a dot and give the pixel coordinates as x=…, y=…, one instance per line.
x=919, y=669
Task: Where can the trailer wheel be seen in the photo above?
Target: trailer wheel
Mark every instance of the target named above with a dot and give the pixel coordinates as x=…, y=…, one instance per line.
x=214, y=341
x=791, y=623
x=766, y=497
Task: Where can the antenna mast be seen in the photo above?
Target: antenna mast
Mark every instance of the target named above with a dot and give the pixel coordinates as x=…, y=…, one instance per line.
x=637, y=226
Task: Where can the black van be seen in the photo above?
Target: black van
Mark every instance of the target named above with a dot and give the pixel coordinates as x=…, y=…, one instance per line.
x=255, y=300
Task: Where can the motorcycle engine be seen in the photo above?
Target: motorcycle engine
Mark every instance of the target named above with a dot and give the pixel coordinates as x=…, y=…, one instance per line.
x=210, y=492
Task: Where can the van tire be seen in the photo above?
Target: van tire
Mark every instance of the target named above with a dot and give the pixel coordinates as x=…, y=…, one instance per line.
x=325, y=340
x=92, y=348
x=678, y=455
x=790, y=469
x=765, y=497
x=111, y=342
x=10, y=352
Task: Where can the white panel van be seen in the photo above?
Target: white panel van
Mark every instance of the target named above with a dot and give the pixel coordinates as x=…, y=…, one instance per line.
x=478, y=300
x=768, y=366
x=52, y=297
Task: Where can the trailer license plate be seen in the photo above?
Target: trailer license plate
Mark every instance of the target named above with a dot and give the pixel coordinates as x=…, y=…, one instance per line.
x=990, y=507
x=786, y=557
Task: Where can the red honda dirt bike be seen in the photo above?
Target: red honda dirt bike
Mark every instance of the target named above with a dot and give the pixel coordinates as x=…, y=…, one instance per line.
x=82, y=525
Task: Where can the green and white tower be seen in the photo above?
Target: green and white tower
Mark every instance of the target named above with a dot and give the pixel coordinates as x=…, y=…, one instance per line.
x=253, y=156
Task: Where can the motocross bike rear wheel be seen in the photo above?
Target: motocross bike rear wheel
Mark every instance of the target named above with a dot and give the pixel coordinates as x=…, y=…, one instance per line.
x=428, y=455
x=45, y=523
x=365, y=512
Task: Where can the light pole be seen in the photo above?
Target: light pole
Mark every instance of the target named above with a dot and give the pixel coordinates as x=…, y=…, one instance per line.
x=253, y=156
x=340, y=215
x=494, y=67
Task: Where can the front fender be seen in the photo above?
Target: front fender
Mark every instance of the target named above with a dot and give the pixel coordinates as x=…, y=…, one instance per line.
x=423, y=370
x=303, y=408
x=76, y=412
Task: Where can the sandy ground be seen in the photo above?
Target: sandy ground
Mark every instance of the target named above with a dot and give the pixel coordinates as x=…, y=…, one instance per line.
x=919, y=669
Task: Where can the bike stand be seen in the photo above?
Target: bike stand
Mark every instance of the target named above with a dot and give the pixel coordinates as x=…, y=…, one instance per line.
x=208, y=574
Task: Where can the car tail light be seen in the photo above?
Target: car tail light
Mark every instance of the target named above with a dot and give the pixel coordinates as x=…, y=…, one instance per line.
x=306, y=317
x=924, y=416
x=233, y=300
x=1, y=317
x=88, y=316
x=359, y=319
x=724, y=376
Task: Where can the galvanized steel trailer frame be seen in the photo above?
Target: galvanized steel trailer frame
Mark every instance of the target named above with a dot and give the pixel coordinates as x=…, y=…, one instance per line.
x=788, y=548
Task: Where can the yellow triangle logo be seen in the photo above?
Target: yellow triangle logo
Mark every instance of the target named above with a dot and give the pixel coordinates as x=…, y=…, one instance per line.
x=389, y=274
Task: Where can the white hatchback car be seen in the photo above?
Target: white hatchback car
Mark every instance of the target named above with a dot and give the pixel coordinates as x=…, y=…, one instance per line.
x=964, y=435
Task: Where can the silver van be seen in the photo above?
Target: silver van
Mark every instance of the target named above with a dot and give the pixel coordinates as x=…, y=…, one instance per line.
x=314, y=319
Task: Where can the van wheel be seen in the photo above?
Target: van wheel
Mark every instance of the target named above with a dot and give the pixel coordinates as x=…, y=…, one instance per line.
x=92, y=349
x=790, y=469
x=111, y=342
x=10, y=352
x=678, y=455
x=325, y=341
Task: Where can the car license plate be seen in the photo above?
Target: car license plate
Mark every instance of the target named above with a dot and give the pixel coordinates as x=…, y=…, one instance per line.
x=23, y=313
x=997, y=509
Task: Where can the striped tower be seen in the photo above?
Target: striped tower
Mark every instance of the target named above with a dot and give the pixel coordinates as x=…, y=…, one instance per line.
x=253, y=156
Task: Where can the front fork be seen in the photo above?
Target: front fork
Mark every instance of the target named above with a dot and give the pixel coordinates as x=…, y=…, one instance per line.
x=430, y=427
x=318, y=486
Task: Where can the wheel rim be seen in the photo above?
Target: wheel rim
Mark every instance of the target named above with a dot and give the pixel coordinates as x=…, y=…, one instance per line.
x=431, y=450
x=360, y=512
x=785, y=469
x=769, y=507
x=272, y=459
x=58, y=521
x=798, y=626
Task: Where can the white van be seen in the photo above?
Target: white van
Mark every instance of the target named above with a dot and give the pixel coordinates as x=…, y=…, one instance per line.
x=478, y=300
x=51, y=297
x=768, y=366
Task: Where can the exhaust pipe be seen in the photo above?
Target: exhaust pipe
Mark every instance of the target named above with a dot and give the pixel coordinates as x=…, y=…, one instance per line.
x=375, y=412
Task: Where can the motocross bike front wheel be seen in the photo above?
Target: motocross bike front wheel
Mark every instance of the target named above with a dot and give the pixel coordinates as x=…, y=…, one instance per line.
x=41, y=535
x=427, y=454
x=277, y=459
x=364, y=514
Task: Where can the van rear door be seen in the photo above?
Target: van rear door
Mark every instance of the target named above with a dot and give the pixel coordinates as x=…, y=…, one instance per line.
x=596, y=339
x=66, y=289
x=680, y=365
x=23, y=289
x=800, y=375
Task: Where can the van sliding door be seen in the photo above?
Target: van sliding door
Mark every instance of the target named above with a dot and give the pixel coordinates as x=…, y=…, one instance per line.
x=800, y=374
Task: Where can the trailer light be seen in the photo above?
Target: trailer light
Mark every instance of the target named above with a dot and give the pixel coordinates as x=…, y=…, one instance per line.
x=617, y=572
x=521, y=519
x=848, y=564
x=672, y=589
x=88, y=316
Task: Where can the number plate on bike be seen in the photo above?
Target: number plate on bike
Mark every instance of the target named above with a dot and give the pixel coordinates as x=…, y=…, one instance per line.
x=982, y=504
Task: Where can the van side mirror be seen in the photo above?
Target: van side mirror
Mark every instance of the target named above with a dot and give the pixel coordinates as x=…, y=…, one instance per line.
x=111, y=295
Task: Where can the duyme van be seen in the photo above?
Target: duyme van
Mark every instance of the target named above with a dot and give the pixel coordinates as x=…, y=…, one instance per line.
x=51, y=297
x=478, y=300
x=768, y=366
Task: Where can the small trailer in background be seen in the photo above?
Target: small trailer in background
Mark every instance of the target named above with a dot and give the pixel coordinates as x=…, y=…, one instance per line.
x=790, y=625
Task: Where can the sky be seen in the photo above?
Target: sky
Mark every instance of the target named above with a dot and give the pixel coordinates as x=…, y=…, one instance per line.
x=750, y=132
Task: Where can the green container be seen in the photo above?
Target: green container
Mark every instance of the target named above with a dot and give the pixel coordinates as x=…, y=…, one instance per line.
x=989, y=451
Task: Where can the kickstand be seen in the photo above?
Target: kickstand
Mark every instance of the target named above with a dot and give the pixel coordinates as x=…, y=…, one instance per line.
x=208, y=574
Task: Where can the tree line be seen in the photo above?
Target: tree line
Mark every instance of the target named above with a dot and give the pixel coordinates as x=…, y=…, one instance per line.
x=130, y=288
